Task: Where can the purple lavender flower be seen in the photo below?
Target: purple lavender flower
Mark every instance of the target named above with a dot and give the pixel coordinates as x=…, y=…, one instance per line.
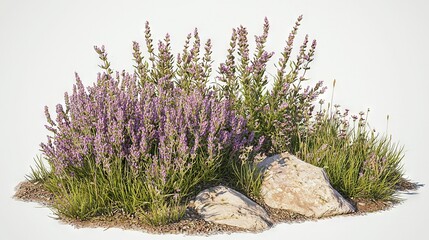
x=116, y=119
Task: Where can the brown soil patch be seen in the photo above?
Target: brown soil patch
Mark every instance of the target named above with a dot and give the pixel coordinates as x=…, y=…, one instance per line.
x=191, y=224
x=33, y=192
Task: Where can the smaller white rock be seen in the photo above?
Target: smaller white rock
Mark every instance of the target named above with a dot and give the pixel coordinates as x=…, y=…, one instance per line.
x=224, y=205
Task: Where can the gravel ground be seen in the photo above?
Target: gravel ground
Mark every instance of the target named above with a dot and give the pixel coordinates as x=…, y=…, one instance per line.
x=191, y=224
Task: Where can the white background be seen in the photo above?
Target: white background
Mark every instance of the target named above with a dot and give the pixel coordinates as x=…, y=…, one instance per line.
x=377, y=51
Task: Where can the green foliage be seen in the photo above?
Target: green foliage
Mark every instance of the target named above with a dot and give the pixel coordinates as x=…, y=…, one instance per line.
x=92, y=191
x=359, y=163
x=40, y=173
x=161, y=211
x=278, y=113
x=247, y=177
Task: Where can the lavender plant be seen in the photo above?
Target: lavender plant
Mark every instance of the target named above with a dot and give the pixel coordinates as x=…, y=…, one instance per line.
x=166, y=137
x=281, y=113
x=358, y=162
x=118, y=118
x=143, y=143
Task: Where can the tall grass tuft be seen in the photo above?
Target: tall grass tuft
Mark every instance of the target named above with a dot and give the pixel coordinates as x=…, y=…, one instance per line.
x=359, y=162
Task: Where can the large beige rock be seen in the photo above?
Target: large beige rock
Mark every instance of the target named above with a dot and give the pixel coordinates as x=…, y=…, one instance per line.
x=292, y=184
x=226, y=206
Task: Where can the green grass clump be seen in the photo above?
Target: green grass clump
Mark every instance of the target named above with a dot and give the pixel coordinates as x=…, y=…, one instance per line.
x=90, y=191
x=247, y=177
x=359, y=162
